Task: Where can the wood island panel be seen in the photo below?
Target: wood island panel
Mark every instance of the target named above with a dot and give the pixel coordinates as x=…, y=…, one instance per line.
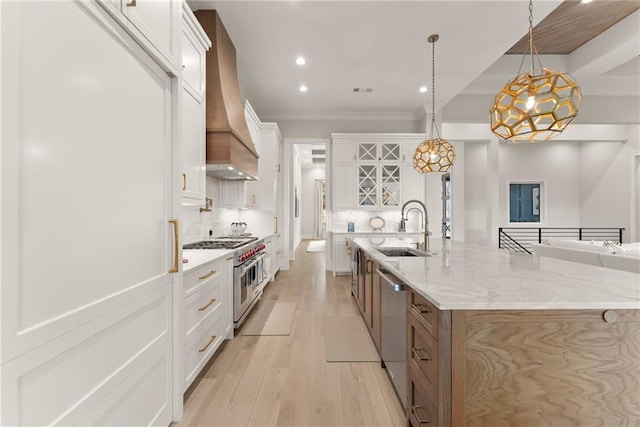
x=546, y=368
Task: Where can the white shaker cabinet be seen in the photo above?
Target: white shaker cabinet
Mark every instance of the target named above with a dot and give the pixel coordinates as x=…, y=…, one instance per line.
x=194, y=45
x=269, y=168
x=343, y=186
x=155, y=25
x=263, y=193
x=88, y=192
x=208, y=313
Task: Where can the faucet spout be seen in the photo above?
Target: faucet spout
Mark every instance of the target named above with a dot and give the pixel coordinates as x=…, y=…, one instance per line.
x=403, y=220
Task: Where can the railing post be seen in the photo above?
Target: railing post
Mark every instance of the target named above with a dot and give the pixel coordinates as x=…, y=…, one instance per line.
x=499, y=237
x=620, y=237
x=539, y=235
x=580, y=233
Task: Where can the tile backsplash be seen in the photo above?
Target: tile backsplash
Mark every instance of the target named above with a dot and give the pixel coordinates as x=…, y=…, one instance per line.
x=196, y=224
x=340, y=219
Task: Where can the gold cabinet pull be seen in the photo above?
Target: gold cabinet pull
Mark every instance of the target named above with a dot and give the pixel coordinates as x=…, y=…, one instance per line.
x=229, y=258
x=208, y=305
x=278, y=252
x=414, y=410
x=253, y=199
x=417, y=355
x=132, y=3
x=176, y=245
x=184, y=181
x=420, y=308
x=209, y=274
x=278, y=167
x=275, y=218
x=212, y=339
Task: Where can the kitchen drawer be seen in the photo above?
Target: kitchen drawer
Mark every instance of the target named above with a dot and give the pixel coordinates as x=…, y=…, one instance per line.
x=425, y=312
x=422, y=410
x=423, y=354
x=198, y=350
x=202, y=303
x=200, y=276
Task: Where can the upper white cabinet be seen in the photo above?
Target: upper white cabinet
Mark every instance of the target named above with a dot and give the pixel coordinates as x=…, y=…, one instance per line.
x=193, y=112
x=345, y=152
x=87, y=294
x=373, y=171
x=263, y=193
x=154, y=23
x=344, y=185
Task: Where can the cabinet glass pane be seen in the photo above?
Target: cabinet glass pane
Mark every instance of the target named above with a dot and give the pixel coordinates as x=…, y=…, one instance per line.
x=367, y=194
x=367, y=151
x=390, y=185
x=390, y=151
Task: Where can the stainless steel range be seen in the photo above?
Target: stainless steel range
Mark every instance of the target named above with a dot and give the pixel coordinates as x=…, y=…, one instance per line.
x=221, y=243
x=248, y=271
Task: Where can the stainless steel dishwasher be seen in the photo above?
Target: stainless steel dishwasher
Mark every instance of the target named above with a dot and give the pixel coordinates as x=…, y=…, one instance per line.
x=394, y=331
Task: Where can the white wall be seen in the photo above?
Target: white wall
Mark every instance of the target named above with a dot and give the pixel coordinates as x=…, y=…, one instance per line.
x=297, y=183
x=557, y=164
x=605, y=193
x=476, y=203
x=307, y=199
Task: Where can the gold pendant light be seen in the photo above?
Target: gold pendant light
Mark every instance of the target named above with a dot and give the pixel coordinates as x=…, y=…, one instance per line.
x=536, y=105
x=434, y=154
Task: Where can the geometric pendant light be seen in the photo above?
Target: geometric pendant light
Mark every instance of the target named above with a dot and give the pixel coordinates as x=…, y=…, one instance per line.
x=434, y=154
x=536, y=105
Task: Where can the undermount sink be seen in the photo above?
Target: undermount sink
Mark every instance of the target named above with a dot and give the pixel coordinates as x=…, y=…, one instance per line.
x=402, y=251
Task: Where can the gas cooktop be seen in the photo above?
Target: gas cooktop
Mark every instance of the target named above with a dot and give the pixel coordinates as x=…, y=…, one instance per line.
x=220, y=243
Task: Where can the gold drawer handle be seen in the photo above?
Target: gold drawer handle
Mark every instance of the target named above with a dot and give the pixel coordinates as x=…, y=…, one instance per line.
x=416, y=353
x=229, y=258
x=420, y=308
x=414, y=410
x=209, y=274
x=184, y=181
x=132, y=3
x=207, y=306
x=212, y=339
x=278, y=252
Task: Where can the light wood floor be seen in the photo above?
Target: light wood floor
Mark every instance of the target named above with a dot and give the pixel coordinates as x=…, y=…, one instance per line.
x=285, y=380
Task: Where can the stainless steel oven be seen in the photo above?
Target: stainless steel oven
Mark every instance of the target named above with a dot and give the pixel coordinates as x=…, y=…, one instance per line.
x=247, y=274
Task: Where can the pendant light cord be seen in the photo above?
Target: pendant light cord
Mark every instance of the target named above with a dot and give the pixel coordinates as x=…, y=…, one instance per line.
x=532, y=47
x=433, y=88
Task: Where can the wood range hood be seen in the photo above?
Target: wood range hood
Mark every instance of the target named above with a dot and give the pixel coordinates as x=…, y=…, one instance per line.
x=231, y=154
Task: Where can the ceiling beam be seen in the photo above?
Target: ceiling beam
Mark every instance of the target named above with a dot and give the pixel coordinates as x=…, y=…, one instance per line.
x=614, y=47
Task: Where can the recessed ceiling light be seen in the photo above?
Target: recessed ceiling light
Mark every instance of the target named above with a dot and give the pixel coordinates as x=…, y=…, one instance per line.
x=423, y=89
x=240, y=173
x=300, y=60
x=230, y=168
x=585, y=1
x=303, y=88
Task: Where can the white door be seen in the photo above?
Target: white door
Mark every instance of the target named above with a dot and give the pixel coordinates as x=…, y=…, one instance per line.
x=86, y=168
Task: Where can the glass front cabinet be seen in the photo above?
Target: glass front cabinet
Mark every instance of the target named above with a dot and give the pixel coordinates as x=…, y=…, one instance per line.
x=378, y=174
x=374, y=171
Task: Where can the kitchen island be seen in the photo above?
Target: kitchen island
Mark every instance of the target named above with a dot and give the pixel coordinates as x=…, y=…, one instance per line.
x=504, y=339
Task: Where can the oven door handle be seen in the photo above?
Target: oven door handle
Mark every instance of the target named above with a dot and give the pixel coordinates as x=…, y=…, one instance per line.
x=244, y=269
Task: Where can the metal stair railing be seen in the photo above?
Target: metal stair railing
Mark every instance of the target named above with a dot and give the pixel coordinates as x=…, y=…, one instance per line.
x=507, y=242
x=525, y=236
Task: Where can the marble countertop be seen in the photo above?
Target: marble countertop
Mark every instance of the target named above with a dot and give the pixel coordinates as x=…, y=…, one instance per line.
x=197, y=257
x=468, y=277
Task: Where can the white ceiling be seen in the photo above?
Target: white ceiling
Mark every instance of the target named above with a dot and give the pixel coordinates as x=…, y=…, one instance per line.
x=382, y=45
